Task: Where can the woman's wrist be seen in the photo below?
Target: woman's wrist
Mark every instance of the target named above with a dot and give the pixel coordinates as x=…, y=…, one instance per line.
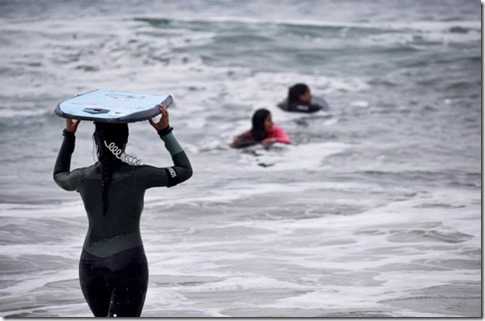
x=67, y=133
x=165, y=131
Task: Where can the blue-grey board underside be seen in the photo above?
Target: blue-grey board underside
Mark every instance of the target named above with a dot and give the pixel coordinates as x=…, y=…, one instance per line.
x=112, y=107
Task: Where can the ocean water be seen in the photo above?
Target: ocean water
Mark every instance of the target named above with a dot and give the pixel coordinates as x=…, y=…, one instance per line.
x=373, y=211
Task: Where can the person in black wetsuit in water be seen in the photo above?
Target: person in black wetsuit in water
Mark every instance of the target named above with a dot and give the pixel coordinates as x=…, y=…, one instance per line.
x=301, y=100
x=113, y=269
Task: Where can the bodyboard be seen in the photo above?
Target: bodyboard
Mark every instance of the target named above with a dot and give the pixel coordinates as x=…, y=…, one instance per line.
x=112, y=107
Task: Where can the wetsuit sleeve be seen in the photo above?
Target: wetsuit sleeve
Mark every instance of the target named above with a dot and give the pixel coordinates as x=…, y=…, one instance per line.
x=306, y=108
x=283, y=105
x=62, y=175
x=181, y=170
x=313, y=108
x=317, y=104
x=280, y=135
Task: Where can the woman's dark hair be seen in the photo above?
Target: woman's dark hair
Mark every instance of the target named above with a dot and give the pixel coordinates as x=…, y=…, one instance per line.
x=109, y=133
x=258, y=131
x=295, y=91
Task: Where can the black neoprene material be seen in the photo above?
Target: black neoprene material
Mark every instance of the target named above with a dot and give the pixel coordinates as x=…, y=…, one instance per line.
x=68, y=134
x=115, y=286
x=315, y=105
x=165, y=131
x=119, y=228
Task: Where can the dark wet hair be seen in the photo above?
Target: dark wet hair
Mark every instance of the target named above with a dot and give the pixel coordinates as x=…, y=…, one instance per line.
x=109, y=133
x=258, y=131
x=295, y=91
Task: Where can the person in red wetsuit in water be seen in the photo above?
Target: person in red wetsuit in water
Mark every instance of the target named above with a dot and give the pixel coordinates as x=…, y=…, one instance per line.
x=263, y=131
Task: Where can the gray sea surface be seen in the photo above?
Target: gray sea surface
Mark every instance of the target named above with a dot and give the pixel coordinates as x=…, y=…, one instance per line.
x=373, y=211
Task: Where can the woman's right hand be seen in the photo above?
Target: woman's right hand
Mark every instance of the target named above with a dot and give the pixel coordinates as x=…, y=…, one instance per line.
x=163, y=122
x=71, y=125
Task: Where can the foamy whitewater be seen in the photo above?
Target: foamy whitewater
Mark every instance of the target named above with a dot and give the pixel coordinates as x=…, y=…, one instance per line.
x=373, y=211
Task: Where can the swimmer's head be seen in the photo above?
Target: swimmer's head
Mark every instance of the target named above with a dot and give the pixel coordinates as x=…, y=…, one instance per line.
x=299, y=93
x=262, y=124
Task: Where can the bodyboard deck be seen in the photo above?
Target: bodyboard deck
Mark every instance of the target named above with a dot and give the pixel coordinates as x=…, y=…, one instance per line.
x=112, y=107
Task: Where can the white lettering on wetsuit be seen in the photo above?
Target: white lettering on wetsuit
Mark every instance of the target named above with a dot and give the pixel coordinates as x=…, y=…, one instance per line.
x=172, y=172
x=302, y=107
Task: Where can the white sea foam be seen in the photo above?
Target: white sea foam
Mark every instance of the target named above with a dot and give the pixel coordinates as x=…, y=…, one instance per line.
x=321, y=255
x=306, y=157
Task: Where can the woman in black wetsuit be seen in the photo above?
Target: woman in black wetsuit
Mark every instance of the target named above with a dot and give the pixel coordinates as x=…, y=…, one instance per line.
x=301, y=100
x=113, y=269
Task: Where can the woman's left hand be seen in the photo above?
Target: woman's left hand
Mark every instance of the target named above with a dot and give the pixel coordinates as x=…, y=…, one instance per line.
x=163, y=122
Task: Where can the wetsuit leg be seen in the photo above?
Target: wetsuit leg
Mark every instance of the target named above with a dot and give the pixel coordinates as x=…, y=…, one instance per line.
x=94, y=285
x=129, y=283
x=124, y=275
